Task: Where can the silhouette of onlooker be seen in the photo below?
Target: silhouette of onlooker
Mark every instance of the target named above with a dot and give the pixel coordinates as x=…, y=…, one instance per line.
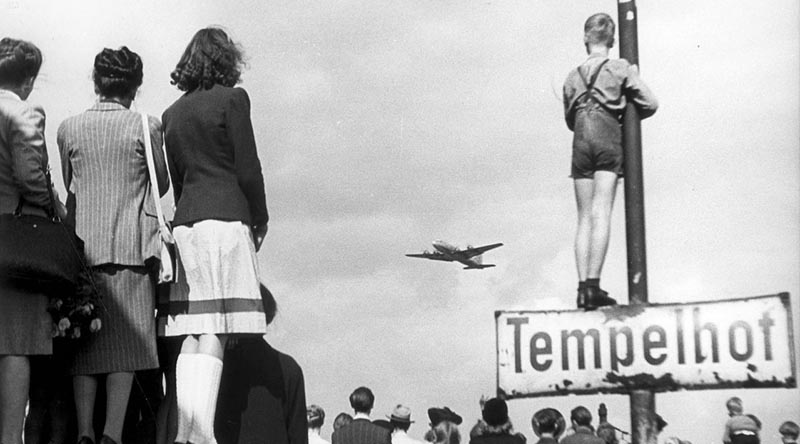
x=341, y=420
x=316, y=418
x=740, y=428
x=582, y=424
x=789, y=432
x=361, y=430
x=548, y=424
x=496, y=427
x=400, y=419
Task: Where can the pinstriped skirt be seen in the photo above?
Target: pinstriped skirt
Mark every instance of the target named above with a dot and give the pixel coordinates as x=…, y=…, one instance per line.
x=127, y=340
x=218, y=288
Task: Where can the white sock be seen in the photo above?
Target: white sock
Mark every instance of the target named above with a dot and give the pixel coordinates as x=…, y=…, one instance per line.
x=208, y=372
x=184, y=391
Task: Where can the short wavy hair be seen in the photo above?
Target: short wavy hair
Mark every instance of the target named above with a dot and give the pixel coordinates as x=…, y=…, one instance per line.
x=117, y=72
x=599, y=30
x=211, y=58
x=19, y=61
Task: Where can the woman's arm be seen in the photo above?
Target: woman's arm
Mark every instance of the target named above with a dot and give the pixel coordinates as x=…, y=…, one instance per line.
x=248, y=167
x=29, y=156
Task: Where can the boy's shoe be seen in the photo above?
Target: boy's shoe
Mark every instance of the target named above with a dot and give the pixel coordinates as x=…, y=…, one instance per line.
x=596, y=297
x=581, y=301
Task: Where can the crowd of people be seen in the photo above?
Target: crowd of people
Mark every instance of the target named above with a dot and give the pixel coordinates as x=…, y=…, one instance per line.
x=224, y=383
x=113, y=161
x=495, y=426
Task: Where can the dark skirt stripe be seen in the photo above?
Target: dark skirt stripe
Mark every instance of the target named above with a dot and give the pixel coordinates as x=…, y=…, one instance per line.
x=127, y=341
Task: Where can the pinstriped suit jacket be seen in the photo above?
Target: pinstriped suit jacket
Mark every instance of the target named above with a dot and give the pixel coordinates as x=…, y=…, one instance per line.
x=361, y=431
x=102, y=156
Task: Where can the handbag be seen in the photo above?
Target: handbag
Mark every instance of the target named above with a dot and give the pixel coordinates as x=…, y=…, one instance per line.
x=40, y=252
x=167, y=271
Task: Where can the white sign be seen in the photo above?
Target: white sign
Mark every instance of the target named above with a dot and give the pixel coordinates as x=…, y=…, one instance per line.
x=721, y=344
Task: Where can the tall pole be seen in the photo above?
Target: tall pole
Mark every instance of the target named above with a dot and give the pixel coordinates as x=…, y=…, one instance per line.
x=642, y=402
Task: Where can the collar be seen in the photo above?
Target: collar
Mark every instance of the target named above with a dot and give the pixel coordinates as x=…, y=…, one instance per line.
x=10, y=94
x=397, y=432
x=584, y=429
x=361, y=415
x=107, y=106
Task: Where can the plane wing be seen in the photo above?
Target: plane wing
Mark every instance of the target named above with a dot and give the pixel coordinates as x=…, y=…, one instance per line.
x=436, y=256
x=474, y=251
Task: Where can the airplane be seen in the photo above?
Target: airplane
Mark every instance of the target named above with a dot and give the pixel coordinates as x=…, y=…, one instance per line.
x=472, y=257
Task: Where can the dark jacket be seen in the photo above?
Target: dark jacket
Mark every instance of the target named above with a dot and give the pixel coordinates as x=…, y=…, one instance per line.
x=213, y=159
x=261, y=396
x=361, y=431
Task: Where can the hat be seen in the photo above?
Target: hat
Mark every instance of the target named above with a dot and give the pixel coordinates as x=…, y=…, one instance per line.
x=548, y=415
x=401, y=413
x=314, y=412
x=438, y=415
x=495, y=412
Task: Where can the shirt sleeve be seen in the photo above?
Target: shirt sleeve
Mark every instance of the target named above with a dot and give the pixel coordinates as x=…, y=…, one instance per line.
x=172, y=165
x=639, y=94
x=568, y=94
x=29, y=156
x=248, y=167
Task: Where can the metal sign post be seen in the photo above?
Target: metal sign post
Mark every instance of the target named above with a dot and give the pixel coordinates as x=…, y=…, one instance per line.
x=642, y=402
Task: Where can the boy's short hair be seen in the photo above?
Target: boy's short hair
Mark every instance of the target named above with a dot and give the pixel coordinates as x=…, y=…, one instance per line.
x=581, y=415
x=599, y=30
x=790, y=429
x=734, y=405
x=362, y=400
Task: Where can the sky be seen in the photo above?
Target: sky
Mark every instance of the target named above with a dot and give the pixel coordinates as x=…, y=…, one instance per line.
x=383, y=125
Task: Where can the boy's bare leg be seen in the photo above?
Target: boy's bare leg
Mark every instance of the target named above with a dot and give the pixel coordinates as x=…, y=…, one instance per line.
x=584, y=192
x=602, y=203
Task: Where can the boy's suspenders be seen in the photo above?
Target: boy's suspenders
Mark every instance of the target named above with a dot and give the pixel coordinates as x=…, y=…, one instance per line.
x=588, y=95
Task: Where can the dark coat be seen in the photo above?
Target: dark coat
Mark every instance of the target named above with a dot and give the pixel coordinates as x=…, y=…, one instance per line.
x=361, y=431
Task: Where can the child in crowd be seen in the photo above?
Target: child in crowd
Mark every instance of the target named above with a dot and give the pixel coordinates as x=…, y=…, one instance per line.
x=595, y=96
x=740, y=428
x=789, y=432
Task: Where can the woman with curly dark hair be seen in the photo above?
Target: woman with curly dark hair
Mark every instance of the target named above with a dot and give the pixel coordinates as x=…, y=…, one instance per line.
x=219, y=224
x=105, y=168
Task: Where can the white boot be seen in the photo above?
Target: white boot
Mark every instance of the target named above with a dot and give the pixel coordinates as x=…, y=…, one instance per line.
x=208, y=372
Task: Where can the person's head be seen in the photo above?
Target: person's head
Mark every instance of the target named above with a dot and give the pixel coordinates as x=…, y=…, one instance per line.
x=362, y=400
x=117, y=73
x=599, y=31
x=19, y=66
x=270, y=305
x=607, y=433
x=445, y=432
x=437, y=415
x=789, y=432
x=495, y=414
x=341, y=420
x=581, y=416
x=548, y=421
x=211, y=58
x=315, y=416
x=734, y=406
x=400, y=418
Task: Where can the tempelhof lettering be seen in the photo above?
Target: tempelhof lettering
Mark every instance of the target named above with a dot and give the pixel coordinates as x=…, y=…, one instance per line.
x=733, y=343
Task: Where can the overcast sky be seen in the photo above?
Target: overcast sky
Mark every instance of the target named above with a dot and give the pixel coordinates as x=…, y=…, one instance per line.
x=383, y=125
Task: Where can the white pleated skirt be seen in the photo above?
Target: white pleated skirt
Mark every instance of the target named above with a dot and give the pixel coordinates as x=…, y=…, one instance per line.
x=218, y=286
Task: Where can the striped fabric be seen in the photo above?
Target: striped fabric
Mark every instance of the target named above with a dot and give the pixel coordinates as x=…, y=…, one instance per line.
x=102, y=156
x=127, y=341
x=218, y=288
x=361, y=431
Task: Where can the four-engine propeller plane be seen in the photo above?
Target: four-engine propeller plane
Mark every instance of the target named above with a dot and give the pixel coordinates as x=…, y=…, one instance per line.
x=470, y=256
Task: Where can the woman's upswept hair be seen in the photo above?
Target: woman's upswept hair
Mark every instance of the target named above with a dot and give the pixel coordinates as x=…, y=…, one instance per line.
x=599, y=29
x=117, y=73
x=19, y=60
x=211, y=58
x=445, y=432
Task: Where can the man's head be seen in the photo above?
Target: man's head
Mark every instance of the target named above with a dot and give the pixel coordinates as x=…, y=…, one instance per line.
x=400, y=418
x=581, y=416
x=548, y=421
x=362, y=400
x=315, y=416
x=789, y=432
x=599, y=30
x=495, y=412
x=735, y=406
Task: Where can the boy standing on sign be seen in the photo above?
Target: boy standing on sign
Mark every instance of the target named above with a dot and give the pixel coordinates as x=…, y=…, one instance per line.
x=595, y=96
